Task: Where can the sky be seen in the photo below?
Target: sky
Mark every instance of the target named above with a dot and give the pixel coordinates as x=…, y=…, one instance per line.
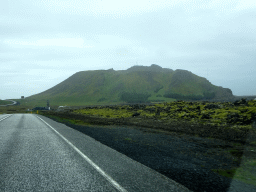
x=44, y=42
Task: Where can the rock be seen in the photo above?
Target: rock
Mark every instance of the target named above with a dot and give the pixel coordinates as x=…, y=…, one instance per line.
x=151, y=110
x=136, y=114
x=240, y=102
x=158, y=111
x=253, y=117
x=206, y=116
x=254, y=125
x=232, y=118
x=211, y=106
x=167, y=109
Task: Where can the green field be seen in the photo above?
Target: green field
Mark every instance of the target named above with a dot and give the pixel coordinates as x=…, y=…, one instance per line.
x=3, y=102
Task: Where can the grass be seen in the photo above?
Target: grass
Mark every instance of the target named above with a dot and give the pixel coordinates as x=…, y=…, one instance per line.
x=66, y=120
x=3, y=102
x=13, y=109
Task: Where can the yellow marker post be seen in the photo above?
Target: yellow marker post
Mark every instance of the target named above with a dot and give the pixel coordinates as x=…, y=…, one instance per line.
x=37, y=112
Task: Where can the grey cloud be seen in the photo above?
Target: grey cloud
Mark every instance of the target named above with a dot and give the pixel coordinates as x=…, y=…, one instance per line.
x=196, y=36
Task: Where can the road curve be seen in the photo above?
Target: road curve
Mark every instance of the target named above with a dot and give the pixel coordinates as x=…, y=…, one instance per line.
x=39, y=154
x=13, y=103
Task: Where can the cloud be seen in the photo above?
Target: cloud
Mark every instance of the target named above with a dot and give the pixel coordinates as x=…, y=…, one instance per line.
x=245, y=4
x=57, y=42
x=45, y=36
x=107, y=7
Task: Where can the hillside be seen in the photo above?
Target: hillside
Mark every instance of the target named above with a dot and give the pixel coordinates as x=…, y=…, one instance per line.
x=136, y=84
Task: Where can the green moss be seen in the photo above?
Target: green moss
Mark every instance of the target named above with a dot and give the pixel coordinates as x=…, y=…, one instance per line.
x=251, y=110
x=163, y=114
x=216, y=121
x=105, y=112
x=252, y=103
x=187, y=111
x=159, y=105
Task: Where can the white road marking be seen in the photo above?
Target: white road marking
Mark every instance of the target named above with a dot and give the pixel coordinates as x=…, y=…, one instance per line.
x=110, y=179
x=5, y=117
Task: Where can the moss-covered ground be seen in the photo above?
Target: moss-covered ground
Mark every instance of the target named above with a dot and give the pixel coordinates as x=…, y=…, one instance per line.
x=222, y=120
x=206, y=113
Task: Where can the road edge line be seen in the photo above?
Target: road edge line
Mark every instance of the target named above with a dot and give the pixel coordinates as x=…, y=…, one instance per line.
x=105, y=175
x=6, y=117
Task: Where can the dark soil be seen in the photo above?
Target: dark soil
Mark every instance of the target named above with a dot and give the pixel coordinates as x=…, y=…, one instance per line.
x=188, y=160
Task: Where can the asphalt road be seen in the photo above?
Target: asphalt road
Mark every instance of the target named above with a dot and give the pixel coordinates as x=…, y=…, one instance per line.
x=13, y=103
x=39, y=154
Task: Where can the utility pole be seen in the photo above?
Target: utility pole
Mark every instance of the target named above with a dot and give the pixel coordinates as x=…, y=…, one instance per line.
x=48, y=104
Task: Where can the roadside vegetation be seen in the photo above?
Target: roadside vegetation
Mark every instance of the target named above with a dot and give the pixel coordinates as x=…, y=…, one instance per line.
x=223, y=120
x=13, y=109
x=239, y=113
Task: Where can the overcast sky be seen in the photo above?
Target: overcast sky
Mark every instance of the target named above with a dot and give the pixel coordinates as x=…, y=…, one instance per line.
x=43, y=42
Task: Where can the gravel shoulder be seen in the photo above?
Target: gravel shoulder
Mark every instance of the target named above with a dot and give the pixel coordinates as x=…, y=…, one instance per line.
x=195, y=162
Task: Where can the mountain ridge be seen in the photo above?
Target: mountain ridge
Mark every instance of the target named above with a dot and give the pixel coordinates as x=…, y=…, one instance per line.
x=140, y=83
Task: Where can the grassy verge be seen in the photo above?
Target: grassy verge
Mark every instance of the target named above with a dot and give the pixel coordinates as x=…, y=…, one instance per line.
x=66, y=120
x=13, y=109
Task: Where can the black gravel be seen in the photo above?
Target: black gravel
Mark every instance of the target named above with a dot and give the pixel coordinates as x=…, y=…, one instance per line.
x=187, y=160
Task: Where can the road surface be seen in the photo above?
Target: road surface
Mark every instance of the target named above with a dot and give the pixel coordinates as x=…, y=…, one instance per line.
x=39, y=154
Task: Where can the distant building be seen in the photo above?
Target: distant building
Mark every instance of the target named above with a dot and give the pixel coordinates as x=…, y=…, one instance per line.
x=62, y=108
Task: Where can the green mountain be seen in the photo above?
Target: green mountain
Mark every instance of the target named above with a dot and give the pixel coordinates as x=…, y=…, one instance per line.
x=136, y=84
